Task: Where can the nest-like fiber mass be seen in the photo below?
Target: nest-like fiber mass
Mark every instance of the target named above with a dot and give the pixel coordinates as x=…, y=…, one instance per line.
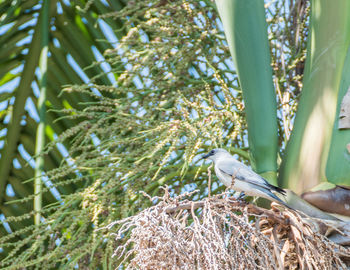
x=222, y=233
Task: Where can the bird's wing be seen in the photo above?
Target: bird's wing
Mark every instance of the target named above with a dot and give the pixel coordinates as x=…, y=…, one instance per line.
x=240, y=171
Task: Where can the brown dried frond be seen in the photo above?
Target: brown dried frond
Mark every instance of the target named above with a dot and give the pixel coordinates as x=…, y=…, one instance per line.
x=222, y=233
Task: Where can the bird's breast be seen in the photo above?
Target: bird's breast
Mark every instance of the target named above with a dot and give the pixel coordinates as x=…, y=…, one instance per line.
x=224, y=178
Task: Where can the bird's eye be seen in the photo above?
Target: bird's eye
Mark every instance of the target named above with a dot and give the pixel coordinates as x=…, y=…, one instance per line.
x=212, y=152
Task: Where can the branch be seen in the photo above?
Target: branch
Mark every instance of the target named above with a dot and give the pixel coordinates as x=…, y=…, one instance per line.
x=239, y=205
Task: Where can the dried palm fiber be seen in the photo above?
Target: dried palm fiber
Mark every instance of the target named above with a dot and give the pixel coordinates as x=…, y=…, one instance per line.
x=222, y=233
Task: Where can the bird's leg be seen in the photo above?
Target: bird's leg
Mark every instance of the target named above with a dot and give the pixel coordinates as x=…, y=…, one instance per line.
x=241, y=196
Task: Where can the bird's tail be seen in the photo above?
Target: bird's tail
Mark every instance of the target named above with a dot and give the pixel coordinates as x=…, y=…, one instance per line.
x=278, y=200
x=277, y=189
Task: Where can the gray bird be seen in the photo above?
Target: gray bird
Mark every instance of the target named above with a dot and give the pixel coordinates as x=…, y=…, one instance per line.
x=239, y=177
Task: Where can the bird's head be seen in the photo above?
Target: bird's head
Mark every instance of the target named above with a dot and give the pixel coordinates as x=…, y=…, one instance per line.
x=215, y=154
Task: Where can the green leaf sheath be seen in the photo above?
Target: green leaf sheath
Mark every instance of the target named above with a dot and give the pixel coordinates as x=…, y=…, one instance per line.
x=338, y=163
x=246, y=33
x=306, y=154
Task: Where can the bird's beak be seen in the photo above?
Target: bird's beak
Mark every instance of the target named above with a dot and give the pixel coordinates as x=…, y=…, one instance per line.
x=205, y=156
